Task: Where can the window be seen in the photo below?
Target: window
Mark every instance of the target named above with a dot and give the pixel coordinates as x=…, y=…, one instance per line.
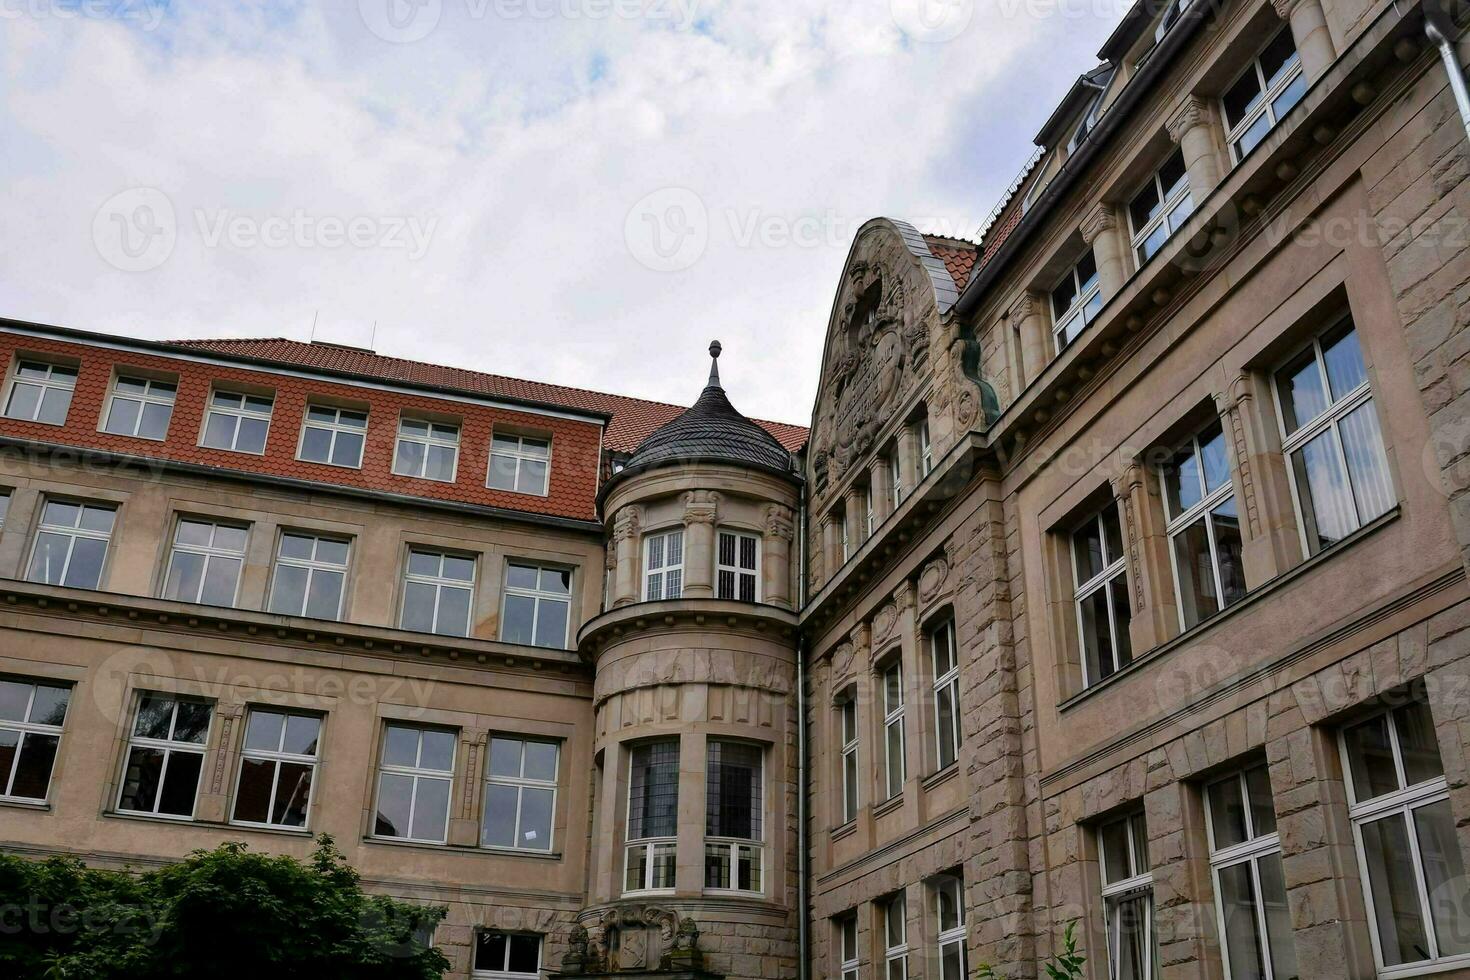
x=895, y=478
x=653, y=816
x=40, y=392
x=205, y=563
x=1103, y=610
x=1331, y=437
x=847, y=946
x=1404, y=830
x=520, y=794
x=140, y=407
x=238, y=422
x=841, y=519
x=1263, y=94
x=277, y=768
x=427, y=450
x=438, y=593
x=737, y=568
x=870, y=512
x=4, y=506
x=1075, y=301
x=165, y=756
x=31, y=716
x=71, y=544
x=414, y=780
x=926, y=449
x=663, y=565
x=949, y=901
x=519, y=464
x=333, y=436
x=507, y=956
x=732, y=817
x=944, y=656
x=893, y=763
x=309, y=577
x=538, y=601
x=1161, y=208
x=1128, y=899
x=895, y=939
x=1245, y=860
x=847, y=716
x=1203, y=527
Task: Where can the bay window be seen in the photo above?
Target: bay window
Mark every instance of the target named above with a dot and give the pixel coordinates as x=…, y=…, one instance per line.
x=733, y=856
x=1203, y=527
x=653, y=816
x=40, y=392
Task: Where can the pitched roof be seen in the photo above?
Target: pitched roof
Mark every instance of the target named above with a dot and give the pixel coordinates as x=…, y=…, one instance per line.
x=957, y=254
x=633, y=419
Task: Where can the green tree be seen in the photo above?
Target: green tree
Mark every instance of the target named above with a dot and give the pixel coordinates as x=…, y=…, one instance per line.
x=1066, y=966
x=218, y=914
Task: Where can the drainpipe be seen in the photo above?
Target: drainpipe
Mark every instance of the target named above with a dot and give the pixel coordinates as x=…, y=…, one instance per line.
x=803, y=940
x=1440, y=28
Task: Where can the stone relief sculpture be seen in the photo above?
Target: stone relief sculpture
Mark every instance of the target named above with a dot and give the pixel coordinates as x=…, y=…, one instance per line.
x=634, y=939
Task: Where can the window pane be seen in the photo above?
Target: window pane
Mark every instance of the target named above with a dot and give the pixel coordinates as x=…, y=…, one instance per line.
x=24, y=399
x=952, y=962
x=324, y=601
x=1131, y=927
x=1144, y=206
x=1114, y=840
x=454, y=612
x=505, y=757
x=54, y=404
x=219, y=430
x=1097, y=638
x=253, y=797
x=155, y=421
x=551, y=627
x=302, y=733
x=401, y=746
x=522, y=576
x=438, y=750
x=1327, y=503
x=1253, y=135
x=1344, y=359
x=220, y=577
x=515, y=625
x=536, y=806
x=316, y=444
x=85, y=570
x=33, y=770
x=1397, y=916
x=191, y=724
x=1242, y=930
x=499, y=826
x=1370, y=758
x=440, y=463
x=1227, y=813
x=395, y=793
x=122, y=416
x=264, y=730
x=431, y=809
x=1183, y=482
x=1229, y=550
x=532, y=477
x=1278, y=56
x=1444, y=876
x=140, y=779
x=654, y=791
x=1172, y=175
x=525, y=954
x=1289, y=96
x=180, y=784
x=409, y=459
x=1197, y=597
x=459, y=568
x=541, y=760
x=155, y=716
x=288, y=590
x=293, y=792
x=1278, y=916
x=48, y=707
x=418, y=606
x=1122, y=616
x=490, y=951
x=1418, y=746
x=1241, y=98
x=1263, y=805
x=1088, y=550
x=251, y=438
x=347, y=450
x=1362, y=444
x=14, y=696
x=945, y=712
x=1303, y=396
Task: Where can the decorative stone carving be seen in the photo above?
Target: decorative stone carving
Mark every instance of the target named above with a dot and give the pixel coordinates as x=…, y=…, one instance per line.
x=701, y=507
x=634, y=939
x=883, y=621
x=842, y=662
x=903, y=597
x=1023, y=308
x=1102, y=218
x=1191, y=112
x=933, y=578
x=1233, y=409
x=1123, y=489
x=625, y=525
x=780, y=523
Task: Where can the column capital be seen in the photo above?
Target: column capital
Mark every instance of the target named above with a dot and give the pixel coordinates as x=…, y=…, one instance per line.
x=1102, y=218
x=701, y=507
x=1026, y=305
x=1191, y=111
x=779, y=523
x=625, y=524
x=1285, y=8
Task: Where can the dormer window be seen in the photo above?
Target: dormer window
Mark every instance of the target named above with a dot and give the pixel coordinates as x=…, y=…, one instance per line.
x=1160, y=208
x=1075, y=301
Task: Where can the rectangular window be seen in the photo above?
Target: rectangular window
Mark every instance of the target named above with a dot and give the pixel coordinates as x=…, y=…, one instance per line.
x=333, y=436
x=520, y=794
x=538, y=603
x=310, y=576
x=870, y=513
x=1330, y=436
x=893, y=740
x=847, y=946
x=4, y=506
x=277, y=768
x=414, y=780
x=737, y=569
x=926, y=449
x=438, y=593
x=895, y=938
x=847, y=715
x=32, y=714
x=1203, y=527
x=40, y=392
x=237, y=422
x=944, y=656
x=1103, y=609
x=1404, y=830
x=949, y=902
x=1161, y=208
x=507, y=956
x=1128, y=898
x=653, y=816
x=1263, y=94
x=427, y=450
x=1075, y=301
x=663, y=565
x=140, y=407
x=841, y=519
x=895, y=478
x=519, y=464
x=204, y=565
x=1250, y=892
x=733, y=817
x=165, y=756
x=71, y=544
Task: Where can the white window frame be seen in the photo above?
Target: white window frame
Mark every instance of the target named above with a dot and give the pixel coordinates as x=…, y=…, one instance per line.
x=276, y=757
x=313, y=566
x=170, y=748
x=663, y=540
x=24, y=729
x=1140, y=884
x=955, y=935
x=539, y=597
x=652, y=847
x=146, y=397
x=734, y=845
x=895, y=941
x=948, y=680
x=520, y=784
x=1250, y=851
x=848, y=731
x=1114, y=569
x=439, y=583
x=4, y=506
x=1062, y=320
x=507, y=974
x=416, y=772
x=895, y=476
x=1268, y=94
x=239, y=414
x=1168, y=206
x=48, y=383
x=336, y=428
x=847, y=945
x=1176, y=525
x=846, y=538
x=926, y=448
x=426, y=440
x=520, y=456
x=754, y=574
x=73, y=532
x=893, y=719
x=209, y=553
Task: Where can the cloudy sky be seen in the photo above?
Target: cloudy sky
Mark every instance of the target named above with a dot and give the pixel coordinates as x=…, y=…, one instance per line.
x=580, y=191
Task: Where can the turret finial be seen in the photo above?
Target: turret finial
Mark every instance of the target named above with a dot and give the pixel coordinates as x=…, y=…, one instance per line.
x=714, y=367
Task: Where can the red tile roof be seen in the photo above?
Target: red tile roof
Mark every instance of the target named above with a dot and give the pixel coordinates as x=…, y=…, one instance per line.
x=633, y=419
x=998, y=235
x=957, y=254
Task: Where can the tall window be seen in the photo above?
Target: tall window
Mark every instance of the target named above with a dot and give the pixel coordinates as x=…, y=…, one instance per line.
x=1330, y=434
x=4, y=506
x=1075, y=301
x=204, y=565
x=870, y=512
x=733, y=817
x=507, y=956
x=71, y=544
x=1161, y=208
x=1245, y=859
x=846, y=537
x=426, y=450
x=944, y=657
x=737, y=568
x=895, y=938
x=1128, y=898
x=1103, y=610
x=165, y=756
x=277, y=768
x=538, y=601
x=32, y=714
x=519, y=464
x=438, y=593
x=140, y=407
x=663, y=565
x=1263, y=94
x=520, y=794
x=893, y=740
x=41, y=392
x=847, y=718
x=414, y=779
x=1203, y=527
x=238, y=422
x=949, y=902
x=926, y=449
x=309, y=577
x=1409, y=852
x=847, y=946
x=653, y=816
x=895, y=477
x=333, y=436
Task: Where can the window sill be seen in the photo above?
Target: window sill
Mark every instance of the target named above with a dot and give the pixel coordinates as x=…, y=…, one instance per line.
x=888, y=805
x=405, y=842
x=519, y=853
x=129, y=435
x=412, y=476
x=151, y=817
x=942, y=776
x=647, y=892
x=322, y=462
x=40, y=806
x=843, y=830
x=227, y=449
x=519, y=493
x=263, y=828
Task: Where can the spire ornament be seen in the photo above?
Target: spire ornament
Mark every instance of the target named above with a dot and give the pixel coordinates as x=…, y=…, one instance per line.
x=714, y=367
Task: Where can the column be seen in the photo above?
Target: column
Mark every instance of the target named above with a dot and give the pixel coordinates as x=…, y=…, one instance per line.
x=780, y=531
x=1192, y=126
x=689, y=871
x=908, y=460
x=1150, y=576
x=878, y=486
x=701, y=510
x=1101, y=233
x=626, y=541
x=1030, y=323
x=1309, y=31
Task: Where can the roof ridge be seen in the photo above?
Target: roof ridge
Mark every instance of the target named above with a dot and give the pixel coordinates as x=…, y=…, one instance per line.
x=951, y=238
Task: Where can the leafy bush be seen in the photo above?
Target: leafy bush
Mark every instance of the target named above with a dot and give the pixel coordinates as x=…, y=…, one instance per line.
x=1067, y=965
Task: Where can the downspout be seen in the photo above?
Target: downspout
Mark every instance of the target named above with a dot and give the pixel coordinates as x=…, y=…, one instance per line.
x=803, y=940
x=1439, y=26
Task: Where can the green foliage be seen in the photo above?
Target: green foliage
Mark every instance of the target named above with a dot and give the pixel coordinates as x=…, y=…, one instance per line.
x=217, y=914
x=1067, y=965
